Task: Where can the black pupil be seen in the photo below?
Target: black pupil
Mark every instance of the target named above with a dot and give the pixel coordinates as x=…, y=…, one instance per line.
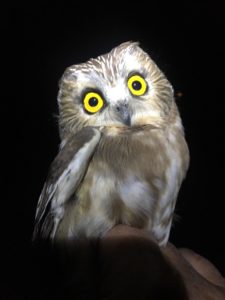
x=93, y=101
x=136, y=85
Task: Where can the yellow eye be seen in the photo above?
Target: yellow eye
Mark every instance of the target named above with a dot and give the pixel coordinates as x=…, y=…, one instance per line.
x=93, y=102
x=137, y=85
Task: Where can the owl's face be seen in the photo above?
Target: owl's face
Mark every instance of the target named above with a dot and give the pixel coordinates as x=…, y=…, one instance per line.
x=121, y=88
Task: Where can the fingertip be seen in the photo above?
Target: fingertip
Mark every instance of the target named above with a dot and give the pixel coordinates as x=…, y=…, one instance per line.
x=203, y=266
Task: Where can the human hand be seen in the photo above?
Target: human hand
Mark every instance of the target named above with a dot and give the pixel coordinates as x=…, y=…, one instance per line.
x=134, y=267
x=201, y=278
x=128, y=264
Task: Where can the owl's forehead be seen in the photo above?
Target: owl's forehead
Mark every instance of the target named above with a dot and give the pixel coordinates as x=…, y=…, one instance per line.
x=119, y=62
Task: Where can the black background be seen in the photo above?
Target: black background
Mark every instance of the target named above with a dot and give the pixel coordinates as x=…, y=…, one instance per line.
x=187, y=42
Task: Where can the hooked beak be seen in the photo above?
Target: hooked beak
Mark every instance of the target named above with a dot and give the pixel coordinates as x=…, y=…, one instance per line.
x=123, y=113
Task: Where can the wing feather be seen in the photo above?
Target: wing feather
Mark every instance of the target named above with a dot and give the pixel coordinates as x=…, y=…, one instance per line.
x=65, y=174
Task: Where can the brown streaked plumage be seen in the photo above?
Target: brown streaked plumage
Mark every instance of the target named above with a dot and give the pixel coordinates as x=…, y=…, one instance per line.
x=129, y=156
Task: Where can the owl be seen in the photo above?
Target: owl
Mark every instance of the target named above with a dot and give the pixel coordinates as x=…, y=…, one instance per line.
x=123, y=154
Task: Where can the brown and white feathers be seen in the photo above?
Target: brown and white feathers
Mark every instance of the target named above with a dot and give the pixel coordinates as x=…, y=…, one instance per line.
x=123, y=154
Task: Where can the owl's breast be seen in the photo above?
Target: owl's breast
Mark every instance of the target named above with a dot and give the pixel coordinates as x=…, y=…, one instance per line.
x=130, y=173
x=131, y=179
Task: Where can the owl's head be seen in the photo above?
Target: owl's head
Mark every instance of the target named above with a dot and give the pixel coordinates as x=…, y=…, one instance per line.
x=121, y=88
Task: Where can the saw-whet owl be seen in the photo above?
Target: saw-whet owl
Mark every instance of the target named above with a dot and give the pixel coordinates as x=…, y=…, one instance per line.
x=123, y=154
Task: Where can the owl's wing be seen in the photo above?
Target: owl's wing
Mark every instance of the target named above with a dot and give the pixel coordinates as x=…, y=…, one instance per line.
x=65, y=174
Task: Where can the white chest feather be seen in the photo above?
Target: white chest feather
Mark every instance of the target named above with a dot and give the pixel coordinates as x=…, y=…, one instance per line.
x=138, y=189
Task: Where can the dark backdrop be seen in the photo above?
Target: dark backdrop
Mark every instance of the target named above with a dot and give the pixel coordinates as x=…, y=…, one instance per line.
x=187, y=42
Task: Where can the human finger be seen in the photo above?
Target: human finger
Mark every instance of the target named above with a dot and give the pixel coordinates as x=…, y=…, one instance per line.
x=203, y=266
